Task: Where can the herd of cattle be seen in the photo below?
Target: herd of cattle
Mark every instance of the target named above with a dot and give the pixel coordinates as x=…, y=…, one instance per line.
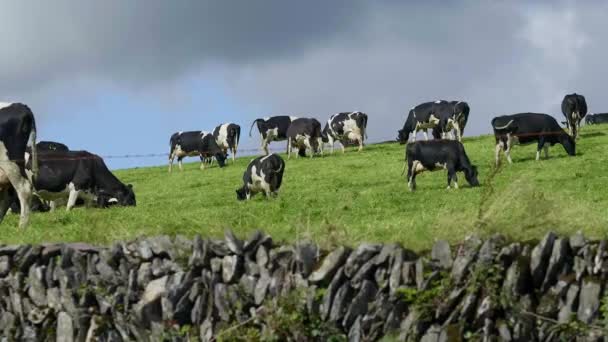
x=38, y=176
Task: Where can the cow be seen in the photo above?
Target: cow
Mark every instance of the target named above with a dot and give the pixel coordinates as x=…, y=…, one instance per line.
x=74, y=175
x=264, y=174
x=345, y=127
x=574, y=108
x=438, y=155
x=17, y=133
x=272, y=129
x=51, y=146
x=594, y=119
x=453, y=117
x=419, y=118
x=195, y=143
x=303, y=134
x=527, y=128
x=227, y=138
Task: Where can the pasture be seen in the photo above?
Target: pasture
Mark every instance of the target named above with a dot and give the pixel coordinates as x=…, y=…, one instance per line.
x=355, y=197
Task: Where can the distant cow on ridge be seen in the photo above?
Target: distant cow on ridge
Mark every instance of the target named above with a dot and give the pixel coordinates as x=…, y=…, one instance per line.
x=227, y=137
x=303, y=134
x=527, y=128
x=453, y=116
x=194, y=143
x=346, y=127
x=272, y=129
x=438, y=155
x=264, y=174
x=574, y=108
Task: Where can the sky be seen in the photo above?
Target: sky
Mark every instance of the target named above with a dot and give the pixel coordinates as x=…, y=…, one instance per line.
x=119, y=77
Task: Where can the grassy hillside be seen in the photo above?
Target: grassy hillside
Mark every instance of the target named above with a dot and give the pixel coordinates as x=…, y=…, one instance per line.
x=356, y=197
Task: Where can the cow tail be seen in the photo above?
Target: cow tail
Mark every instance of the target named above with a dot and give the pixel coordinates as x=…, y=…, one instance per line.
x=237, y=135
x=32, y=140
x=253, y=123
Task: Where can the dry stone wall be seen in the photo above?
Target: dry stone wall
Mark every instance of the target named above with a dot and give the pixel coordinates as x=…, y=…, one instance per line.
x=176, y=289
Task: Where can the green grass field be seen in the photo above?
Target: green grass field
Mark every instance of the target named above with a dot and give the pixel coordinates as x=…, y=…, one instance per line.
x=355, y=197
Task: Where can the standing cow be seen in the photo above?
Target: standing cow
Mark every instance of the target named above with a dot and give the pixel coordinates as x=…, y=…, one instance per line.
x=574, y=108
x=527, y=128
x=272, y=129
x=227, y=137
x=438, y=155
x=264, y=174
x=303, y=134
x=17, y=132
x=453, y=117
x=419, y=118
x=194, y=143
x=345, y=127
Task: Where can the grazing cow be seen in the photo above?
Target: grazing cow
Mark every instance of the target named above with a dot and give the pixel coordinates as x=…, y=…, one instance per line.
x=419, y=118
x=51, y=146
x=574, y=108
x=304, y=133
x=195, y=143
x=438, y=155
x=80, y=175
x=526, y=128
x=272, y=129
x=17, y=132
x=263, y=174
x=345, y=127
x=227, y=137
x=594, y=119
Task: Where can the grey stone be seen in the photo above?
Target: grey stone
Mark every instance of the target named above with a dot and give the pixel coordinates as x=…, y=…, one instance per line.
x=600, y=256
x=161, y=246
x=219, y=248
x=354, y=334
x=247, y=284
x=469, y=303
x=577, y=241
x=144, y=274
x=144, y=250
x=407, y=273
x=149, y=308
x=579, y=268
x=385, y=253
x=419, y=274
x=485, y=310
x=335, y=284
x=216, y=265
x=568, y=305
x=465, y=256
x=442, y=254
x=233, y=243
x=5, y=265
x=200, y=255
x=452, y=332
x=518, y=280
x=340, y=303
x=282, y=257
x=381, y=277
x=432, y=334
x=65, y=328
x=253, y=242
x=9, y=250
x=548, y=305
x=395, y=277
x=360, y=256
x=36, y=288
x=489, y=249
x=261, y=256
x=26, y=257
x=232, y=267
x=222, y=302
x=366, y=272
x=589, y=301
x=53, y=298
x=540, y=258
x=329, y=266
x=408, y=331
x=561, y=257
x=508, y=254
x=503, y=331
x=306, y=256
x=206, y=331
x=358, y=306
x=36, y=315
x=261, y=288
x=447, y=306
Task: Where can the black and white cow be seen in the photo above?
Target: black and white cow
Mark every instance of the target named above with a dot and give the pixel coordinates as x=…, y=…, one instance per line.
x=303, y=134
x=595, y=119
x=195, y=143
x=574, y=108
x=345, y=127
x=227, y=137
x=51, y=146
x=453, y=117
x=527, y=128
x=17, y=132
x=438, y=155
x=264, y=174
x=74, y=175
x=272, y=129
x=419, y=118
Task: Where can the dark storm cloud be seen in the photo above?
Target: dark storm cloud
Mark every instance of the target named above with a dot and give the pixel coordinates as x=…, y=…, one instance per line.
x=319, y=57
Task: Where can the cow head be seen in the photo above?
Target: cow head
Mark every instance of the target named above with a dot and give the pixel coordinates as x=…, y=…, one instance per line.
x=243, y=193
x=568, y=142
x=221, y=159
x=125, y=196
x=402, y=136
x=470, y=175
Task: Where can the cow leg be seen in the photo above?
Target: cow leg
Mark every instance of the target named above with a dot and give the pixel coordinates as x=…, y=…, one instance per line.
x=265, y=146
x=426, y=134
x=72, y=198
x=203, y=162
x=452, y=177
x=22, y=187
x=498, y=148
x=52, y=206
x=5, y=203
x=411, y=175
x=342, y=146
x=171, y=157
x=309, y=147
x=288, y=149
x=546, y=149
x=541, y=144
x=508, y=149
x=179, y=163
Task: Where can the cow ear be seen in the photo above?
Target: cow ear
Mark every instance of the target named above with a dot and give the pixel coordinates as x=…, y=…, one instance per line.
x=130, y=186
